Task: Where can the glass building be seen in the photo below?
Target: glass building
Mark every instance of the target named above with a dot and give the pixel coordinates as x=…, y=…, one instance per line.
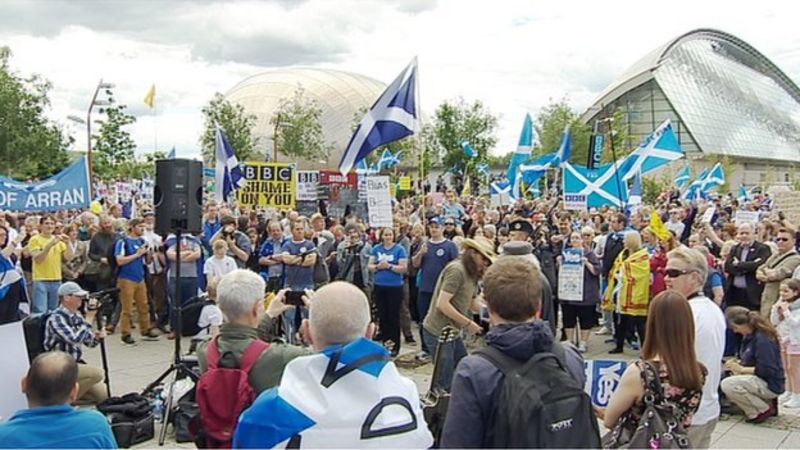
x=723, y=98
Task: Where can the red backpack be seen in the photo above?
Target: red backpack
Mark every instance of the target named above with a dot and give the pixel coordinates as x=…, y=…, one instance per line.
x=219, y=409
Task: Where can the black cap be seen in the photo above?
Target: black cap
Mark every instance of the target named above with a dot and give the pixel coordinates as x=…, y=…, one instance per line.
x=521, y=225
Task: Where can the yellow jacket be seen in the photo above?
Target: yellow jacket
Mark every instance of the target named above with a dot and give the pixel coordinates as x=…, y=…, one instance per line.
x=634, y=293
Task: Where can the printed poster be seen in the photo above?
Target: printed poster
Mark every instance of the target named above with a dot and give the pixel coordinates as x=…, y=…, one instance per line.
x=268, y=185
x=570, y=277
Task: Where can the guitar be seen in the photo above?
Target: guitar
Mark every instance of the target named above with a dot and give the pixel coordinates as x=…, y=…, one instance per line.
x=435, y=402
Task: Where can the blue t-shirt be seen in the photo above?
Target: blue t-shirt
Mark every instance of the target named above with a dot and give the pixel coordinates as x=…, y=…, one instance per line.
x=433, y=262
x=60, y=426
x=298, y=277
x=271, y=247
x=387, y=277
x=134, y=270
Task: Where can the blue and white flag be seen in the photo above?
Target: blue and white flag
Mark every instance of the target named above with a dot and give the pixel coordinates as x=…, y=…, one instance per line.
x=388, y=160
x=68, y=189
x=482, y=169
x=499, y=187
x=363, y=169
x=695, y=189
x=657, y=149
x=172, y=153
x=468, y=150
x=596, y=187
x=533, y=171
x=229, y=175
x=635, y=198
x=393, y=116
x=602, y=379
x=683, y=178
x=565, y=149
x=521, y=155
x=9, y=277
x=744, y=196
x=715, y=178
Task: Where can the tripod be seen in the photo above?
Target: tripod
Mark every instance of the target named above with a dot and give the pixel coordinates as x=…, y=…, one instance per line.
x=178, y=367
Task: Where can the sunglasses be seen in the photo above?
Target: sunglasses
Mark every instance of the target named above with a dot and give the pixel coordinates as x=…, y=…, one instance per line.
x=782, y=239
x=450, y=224
x=675, y=273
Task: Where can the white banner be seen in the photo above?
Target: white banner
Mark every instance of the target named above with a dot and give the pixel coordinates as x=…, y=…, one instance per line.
x=379, y=202
x=307, y=181
x=13, y=368
x=746, y=217
x=570, y=277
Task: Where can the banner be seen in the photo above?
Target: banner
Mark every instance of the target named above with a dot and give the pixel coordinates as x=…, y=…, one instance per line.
x=741, y=217
x=307, y=182
x=68, y=189
x=379, y=200
x=570, y=277
x=342, y=193
x=268, y=185
x=600, y=186
x=602, y=379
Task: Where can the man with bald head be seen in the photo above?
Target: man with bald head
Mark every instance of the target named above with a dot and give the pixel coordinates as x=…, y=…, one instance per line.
x=743, y=288
x=349, y=394
x=51, y=385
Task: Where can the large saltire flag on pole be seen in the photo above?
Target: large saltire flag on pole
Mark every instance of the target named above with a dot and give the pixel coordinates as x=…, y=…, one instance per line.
x=659, y=148
x=229, y=175
x=530, y=173
x=596, y=187
x=682, y=178
x=715, y=178
x=394, y=116
x=520, y=156
x=565, y=149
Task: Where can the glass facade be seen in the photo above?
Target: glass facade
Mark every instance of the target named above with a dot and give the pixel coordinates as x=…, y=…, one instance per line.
x=722, y=96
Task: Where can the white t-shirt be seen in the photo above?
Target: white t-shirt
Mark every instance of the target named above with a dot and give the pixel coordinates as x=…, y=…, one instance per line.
x=218, y=267
x=709, y=344
x=210, y=316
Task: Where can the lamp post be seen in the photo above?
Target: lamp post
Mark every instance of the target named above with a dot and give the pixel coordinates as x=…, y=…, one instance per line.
x=95, y=102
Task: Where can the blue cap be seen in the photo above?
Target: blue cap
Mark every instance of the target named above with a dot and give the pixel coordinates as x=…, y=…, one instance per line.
x=436, y=220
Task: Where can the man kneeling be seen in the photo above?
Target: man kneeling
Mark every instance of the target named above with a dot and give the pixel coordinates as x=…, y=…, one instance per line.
x=347, y=395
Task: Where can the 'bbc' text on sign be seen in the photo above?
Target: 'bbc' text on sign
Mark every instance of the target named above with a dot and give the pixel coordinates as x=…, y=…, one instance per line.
x=268, y=185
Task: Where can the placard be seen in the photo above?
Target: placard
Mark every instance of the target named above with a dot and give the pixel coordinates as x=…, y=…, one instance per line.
x=602, y=379
x=570, y=276
x=307, y=182
x=405, y=183
x=575, y=202
x=709, y=214
x=268, y=185
x=306, y=208
x=379, y=202
x=741, y=217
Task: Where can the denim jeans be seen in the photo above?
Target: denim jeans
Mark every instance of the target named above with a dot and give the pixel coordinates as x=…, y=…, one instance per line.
x=289, y=326
x=451, y=354
x=188, y=290
x=423, y=303
x=45, y=296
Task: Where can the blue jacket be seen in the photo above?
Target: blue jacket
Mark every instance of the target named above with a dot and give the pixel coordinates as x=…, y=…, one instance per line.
x=60, y=426
x=209, y=230
x=477, y=382
x=761, y=352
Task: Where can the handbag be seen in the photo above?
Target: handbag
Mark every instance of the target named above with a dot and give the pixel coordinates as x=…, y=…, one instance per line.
x=660, y=424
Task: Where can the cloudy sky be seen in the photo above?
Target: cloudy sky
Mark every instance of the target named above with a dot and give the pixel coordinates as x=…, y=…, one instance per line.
x=513, y=55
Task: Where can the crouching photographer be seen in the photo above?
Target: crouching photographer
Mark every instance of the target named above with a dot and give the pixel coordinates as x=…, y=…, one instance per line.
x=68, y=330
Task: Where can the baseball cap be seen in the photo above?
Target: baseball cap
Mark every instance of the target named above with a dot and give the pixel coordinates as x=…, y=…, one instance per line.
x=71, y=288
x=436, y=220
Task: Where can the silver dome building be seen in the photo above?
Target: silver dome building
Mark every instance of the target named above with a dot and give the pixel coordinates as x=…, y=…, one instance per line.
x=723, y=97
x=340, y=95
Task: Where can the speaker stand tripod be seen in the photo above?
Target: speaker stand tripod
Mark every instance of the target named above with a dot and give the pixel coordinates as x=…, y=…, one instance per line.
x=178, y=368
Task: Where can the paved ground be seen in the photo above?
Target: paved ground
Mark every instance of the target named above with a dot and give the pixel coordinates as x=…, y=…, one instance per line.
x=134, y=367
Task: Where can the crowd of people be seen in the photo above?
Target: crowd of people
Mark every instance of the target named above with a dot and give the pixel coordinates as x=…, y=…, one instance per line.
x=709, y=304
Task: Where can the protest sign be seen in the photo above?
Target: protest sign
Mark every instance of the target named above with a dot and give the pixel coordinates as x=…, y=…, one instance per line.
x=68, y=189
x=575, y=202
x=306, y=207
x=307, y=181
x=746, y=217
x=342, y=193
x=405, y=183
x=709, y=214
x=602, y=379
x=570, y=277
x=787, y=202
x=379, y=200
x=269, y=185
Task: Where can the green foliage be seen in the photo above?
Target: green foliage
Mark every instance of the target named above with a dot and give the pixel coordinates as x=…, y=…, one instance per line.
x=456, y=121
x=298, y=127
x=30, y=145
x=139, y=167
x=652, y=187
x=238, y=126
x=550, y=125
x=112, y=151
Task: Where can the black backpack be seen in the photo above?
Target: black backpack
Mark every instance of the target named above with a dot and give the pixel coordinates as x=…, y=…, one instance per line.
x=34, y=327
x=540, y=404
x=190, y=314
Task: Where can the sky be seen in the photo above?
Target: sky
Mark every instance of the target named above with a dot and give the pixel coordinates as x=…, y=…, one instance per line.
x=515, y=56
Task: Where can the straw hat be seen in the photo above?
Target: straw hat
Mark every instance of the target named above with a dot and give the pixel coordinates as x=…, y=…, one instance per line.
x=480, y=245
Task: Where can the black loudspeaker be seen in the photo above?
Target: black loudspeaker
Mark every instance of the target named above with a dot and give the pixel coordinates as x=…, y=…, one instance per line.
x=178, y=196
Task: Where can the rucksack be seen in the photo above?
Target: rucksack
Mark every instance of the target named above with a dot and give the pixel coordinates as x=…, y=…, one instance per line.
x=540, y=404
x=34, y=328
x=190, y=315
x=223, y=393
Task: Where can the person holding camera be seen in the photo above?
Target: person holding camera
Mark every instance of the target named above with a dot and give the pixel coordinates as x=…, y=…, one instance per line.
x=239, y=246
x=67, y=330
x=132, y=253
x=352, y=256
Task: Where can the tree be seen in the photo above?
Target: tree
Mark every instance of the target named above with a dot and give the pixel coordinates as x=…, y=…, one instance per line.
x=31, y=146
x=298, y=128
x=550, y=127
x=139, y=167
x=113, y=145
x=238, y=127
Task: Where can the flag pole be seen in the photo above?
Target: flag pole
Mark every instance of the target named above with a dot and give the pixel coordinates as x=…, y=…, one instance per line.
x=610, y=121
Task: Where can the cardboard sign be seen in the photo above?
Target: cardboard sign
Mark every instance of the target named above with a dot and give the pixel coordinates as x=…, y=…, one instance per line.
x=307, y=182
x=379, y=201
x=405, y=183
x=268, y=185
x=709, y=214
x=741, y=217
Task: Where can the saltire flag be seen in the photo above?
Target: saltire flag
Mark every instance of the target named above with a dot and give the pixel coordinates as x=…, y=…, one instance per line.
x=599, y=186
x=363, y=169
x=12, y=289
x=635, y=197
x=171, y=154
x=229, y=175
x=468, y=150
x=533, y=171
x=682, y=178
x=565, y=149
x=715, y=178
x=499, y=187
x=521, y=155
x=150, y=98
x=696, y=186
x=744, y=196
x=482, y=168
x=388, y=160
x=393, y=116
x=534, y=190
x=659, y=148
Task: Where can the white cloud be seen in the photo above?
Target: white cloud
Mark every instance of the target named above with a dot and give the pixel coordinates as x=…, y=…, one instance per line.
x=513, y=55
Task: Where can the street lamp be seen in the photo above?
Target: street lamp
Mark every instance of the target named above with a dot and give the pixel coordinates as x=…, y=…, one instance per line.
x=95, y=102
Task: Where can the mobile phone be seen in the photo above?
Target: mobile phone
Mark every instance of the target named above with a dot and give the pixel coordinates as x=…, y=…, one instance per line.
x=294, y=298
x=484, y=313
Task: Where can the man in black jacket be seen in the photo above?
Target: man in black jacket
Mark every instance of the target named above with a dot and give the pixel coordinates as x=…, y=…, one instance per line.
x=614, y=243
x=742, y=288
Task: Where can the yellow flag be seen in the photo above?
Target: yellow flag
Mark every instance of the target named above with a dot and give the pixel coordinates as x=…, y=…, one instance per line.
x=657, y=227
x=150, y=98
x=467, y=190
